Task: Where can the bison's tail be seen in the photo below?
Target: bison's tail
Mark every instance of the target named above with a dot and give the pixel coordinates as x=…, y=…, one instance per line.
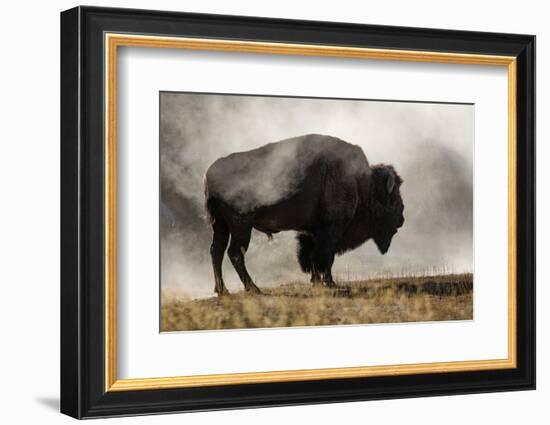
x=209, y=204
x=306, y=245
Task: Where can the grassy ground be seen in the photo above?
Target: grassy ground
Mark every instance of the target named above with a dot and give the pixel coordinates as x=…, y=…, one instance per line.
x=388, y=300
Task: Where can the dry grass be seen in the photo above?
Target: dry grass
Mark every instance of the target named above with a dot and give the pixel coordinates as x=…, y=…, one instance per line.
x=384, y=300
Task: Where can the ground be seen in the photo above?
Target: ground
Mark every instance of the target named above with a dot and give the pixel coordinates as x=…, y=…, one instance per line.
x=386, y=300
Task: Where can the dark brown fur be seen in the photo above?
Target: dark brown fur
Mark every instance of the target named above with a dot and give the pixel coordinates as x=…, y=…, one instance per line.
x=319, y=186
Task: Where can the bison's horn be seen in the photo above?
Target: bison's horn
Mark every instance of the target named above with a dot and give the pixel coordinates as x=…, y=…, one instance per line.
x=390, y=183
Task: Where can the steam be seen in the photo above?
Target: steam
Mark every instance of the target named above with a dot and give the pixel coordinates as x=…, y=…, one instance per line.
x=251, y=181
x=268, y=175
x=430, y=146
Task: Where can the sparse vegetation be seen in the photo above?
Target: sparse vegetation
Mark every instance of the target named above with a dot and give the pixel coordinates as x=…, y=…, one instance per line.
x=380, y=300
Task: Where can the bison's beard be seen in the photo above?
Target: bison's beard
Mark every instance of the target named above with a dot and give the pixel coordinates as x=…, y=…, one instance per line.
x=383, y=242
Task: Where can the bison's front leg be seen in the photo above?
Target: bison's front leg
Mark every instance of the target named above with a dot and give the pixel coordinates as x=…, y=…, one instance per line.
x=306, y=249
x=322, y=278
x=323, y=259
x=316, y=277
x=240, y=239
x=328, y=280
x=325, y=251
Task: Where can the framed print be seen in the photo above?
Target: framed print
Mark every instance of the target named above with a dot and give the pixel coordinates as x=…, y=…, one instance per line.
x=261, y=212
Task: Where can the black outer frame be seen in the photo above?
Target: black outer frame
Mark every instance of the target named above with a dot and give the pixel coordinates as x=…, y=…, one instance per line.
x=82, y=219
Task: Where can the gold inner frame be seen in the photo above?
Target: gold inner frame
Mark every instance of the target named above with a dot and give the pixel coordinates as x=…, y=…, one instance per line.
x=113, y=41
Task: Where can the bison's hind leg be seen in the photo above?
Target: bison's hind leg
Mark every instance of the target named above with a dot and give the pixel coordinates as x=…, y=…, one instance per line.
x=240, y=239
x=217, y=250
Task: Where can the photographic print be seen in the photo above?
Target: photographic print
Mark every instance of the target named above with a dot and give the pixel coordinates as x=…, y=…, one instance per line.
x=292, y=211
x=255, y=183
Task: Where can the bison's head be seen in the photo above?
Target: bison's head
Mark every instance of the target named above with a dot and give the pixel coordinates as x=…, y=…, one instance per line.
x=387, y=205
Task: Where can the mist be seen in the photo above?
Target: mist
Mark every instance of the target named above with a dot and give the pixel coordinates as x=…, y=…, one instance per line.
x=430, y=145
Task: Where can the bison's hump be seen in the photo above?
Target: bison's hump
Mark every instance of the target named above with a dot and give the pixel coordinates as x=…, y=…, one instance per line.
x=274, y=172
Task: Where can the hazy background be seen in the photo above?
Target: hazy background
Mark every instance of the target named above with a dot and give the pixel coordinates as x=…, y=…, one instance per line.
x=430, y=145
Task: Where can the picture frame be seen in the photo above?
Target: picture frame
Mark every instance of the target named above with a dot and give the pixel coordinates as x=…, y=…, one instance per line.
x=90, y=40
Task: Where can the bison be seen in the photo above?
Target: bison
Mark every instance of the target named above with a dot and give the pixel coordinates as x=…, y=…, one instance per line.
x=319, y=186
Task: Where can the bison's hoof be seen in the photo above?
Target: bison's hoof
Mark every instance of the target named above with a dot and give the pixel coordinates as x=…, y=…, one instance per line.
x=222, y=292
x=253, y=289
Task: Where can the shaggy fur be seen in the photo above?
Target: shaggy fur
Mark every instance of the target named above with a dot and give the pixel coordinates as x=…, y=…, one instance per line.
x=319, y=186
